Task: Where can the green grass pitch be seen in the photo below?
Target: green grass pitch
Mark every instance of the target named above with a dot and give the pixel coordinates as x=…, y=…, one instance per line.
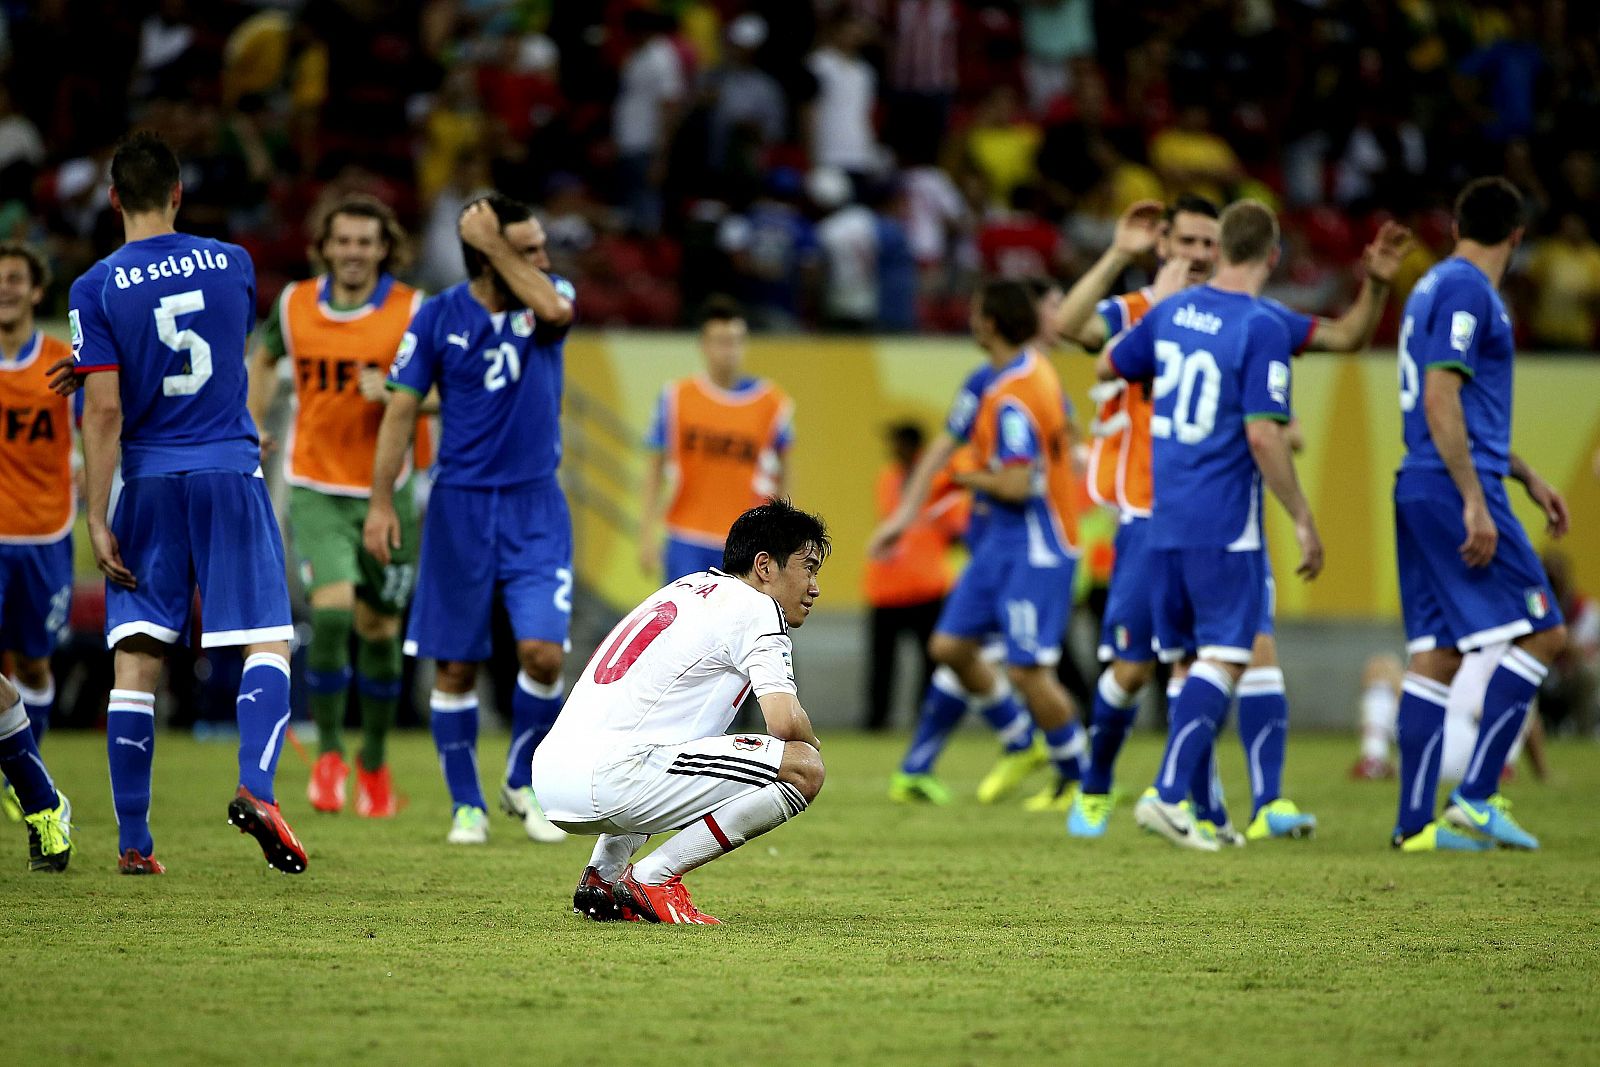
x=861, y=933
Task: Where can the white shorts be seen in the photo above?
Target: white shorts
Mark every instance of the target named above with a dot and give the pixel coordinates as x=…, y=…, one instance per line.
x=651, y=789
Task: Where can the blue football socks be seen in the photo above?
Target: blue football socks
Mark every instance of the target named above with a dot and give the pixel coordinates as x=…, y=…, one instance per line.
x=1113, y=715
x=1201, y=706
x=943, y=707
x=1420, y=734
x=455, y=734
x=130, y=749
x=1505, y=707
x=534, y=707
x=1264, y=732
x=263, y=712
x=19, y=760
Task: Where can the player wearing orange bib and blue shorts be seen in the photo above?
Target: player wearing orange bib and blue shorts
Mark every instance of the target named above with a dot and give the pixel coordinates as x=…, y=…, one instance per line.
x=35, y=549
x=722, y=439
x=340, y=331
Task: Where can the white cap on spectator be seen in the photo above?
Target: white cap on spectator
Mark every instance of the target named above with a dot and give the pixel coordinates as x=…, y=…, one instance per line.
x=747, y=31
x=828, y=187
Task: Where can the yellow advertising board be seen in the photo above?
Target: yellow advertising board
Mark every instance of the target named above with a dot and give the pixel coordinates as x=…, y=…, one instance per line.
x=847, y=391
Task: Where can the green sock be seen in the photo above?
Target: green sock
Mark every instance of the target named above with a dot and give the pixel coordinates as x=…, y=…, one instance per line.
x=328, y=675
x=378, y=682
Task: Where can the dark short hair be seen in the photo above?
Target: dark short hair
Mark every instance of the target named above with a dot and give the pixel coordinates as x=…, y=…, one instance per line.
x=1190, y=204
x=908, y=434
x=1040, y=284
x=362, y=206
x=777, y=528
x=38, y=269
x=719, y=308
x=1010, y=305
x=507, y=212
x=143, y=172
x=1249, y=232
x=1488, y=210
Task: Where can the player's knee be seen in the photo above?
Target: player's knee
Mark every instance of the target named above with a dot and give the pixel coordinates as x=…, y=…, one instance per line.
x=1438, y=664
x=1131, y=677
x=540, y=660
x=373, y=625
x=33, y=673
x=950, y=651
x=455, y=676
x=802, y=768
x=1545, y=645
x=1382, y=669
x=339, y=596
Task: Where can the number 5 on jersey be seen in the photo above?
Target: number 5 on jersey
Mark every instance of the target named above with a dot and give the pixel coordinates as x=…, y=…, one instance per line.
x=184, y=341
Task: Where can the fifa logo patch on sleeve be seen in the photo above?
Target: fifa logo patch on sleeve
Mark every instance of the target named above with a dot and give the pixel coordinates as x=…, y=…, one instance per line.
x=1278, y=382
x=75, y=326
x=402, y=356
x=1463, y=324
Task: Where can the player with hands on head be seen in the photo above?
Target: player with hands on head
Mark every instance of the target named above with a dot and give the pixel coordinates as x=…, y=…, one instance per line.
x=497, y=522
x=639, y=748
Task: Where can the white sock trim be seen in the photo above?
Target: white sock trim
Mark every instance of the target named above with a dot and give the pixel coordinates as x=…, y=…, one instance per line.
x=1001, y=690
x=13, y=721
x=1261, y=681
x=1524, y=666
x=947, y=682
x=1213, y=676
x=36, y=696
x=539, y=690
x=441, y=701
x=1115, y=695
x=267, y=659
x=1425, y=689
x=132, y=700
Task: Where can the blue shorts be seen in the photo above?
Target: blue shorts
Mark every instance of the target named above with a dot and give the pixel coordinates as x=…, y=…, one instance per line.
x=1127, y=632
x=211, y=528
x=1207, y=602
x=35, y=593
x=685, y=557
x=479, y=542
x=1001, y=591
x=1444, y=602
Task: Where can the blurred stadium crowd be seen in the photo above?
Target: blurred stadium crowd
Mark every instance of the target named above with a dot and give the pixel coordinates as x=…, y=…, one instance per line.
x=848, y=164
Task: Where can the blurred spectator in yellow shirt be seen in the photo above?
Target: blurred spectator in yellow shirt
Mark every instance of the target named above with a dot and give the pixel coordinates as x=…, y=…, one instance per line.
x=1192, y=159
x=1565, y=271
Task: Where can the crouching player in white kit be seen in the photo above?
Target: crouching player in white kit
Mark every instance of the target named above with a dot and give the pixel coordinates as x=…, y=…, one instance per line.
x=639, y=748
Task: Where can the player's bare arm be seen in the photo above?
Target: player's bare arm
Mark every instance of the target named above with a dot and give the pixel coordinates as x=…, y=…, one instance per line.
x=480, y=228
x=913, y=496
x=1269, y=445
x=1135, y=235
x=263, y=386
x=1541, y=492
x=1352, y=331
x=381, y=534
x=102, y=447
x=1012, y=483
x=1447, y=425
x=374, y=389
x=787, y=720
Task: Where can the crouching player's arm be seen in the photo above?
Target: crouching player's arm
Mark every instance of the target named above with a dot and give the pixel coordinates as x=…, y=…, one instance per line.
x=802, y=762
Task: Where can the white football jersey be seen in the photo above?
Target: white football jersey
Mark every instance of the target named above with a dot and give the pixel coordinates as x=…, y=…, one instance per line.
x=678, y=667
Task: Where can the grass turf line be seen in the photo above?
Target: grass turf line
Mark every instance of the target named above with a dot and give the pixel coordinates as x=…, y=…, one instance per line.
x=861, y=932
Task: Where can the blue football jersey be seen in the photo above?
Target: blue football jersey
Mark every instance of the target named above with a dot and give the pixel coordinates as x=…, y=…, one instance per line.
x=1219, y=359
x=172, y=314
x=1120, y=312
x=1455, y=319
x=963, y=411
x=499, y=377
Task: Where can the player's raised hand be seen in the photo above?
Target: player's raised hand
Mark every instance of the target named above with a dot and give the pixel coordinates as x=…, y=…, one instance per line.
x=1305, y=532
x=1173, y=277
x=1482, y=534
x=1382, y=258
x=1138, y=228
x=479, y=225
x=1552, y=503
x=881, y=544
x=371, y=384
x=108, y=556
x=62, y=376
x=381, y=532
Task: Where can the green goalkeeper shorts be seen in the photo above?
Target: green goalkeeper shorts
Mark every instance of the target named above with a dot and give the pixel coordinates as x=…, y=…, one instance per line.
x=327, y=539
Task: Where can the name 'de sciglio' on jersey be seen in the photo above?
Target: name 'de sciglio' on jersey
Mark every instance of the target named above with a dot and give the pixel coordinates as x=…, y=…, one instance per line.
x=171, y=267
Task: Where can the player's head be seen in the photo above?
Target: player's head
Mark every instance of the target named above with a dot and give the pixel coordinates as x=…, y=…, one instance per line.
x=1047, y=295
x=1489, y=211
x=23, y=280
x=356, y=239
x=905, y=442
x=722, y=336
x=521, y=230
x=144, y=176
x=779, y=549
x=1248, y=234
x=1190, y=231
x=1004, y=312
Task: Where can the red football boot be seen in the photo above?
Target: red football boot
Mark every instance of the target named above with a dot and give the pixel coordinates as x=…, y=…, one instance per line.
x=665, y=903
x=261, y=821
x=375, y=795
x=327, y=785
x=130, y=862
